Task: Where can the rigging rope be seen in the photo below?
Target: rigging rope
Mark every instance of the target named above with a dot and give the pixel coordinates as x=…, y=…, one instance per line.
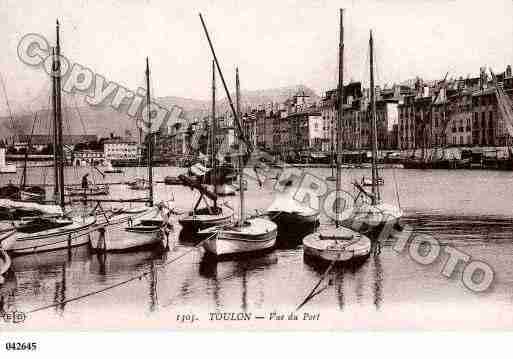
x=119, y=284
x=313, y=292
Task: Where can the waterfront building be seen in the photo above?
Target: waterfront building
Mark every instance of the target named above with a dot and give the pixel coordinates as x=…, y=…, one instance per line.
x=123, y=149
x=459, y=127
x=87, y=156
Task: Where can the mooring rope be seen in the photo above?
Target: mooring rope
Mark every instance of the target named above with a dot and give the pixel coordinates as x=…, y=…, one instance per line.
x=313, y=292
x=119, y=284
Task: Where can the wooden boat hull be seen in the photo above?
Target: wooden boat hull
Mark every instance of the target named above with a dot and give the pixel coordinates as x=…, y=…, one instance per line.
x=259, y=235
x=112, y=171
x=132, y=239
x=198, y=222
x=72, y=235
x=349, y=246
x=9, y=168
x=121, y=218
x=172, y=181
x=29, y=196
x=94, y=191
x=368, y=218
x=293, y=218
x=368, y=182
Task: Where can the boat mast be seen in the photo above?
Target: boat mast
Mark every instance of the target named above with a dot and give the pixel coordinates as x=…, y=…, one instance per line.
x=58, y=120
x=375, y=190
x=214, y=132
x=150, y=138
x=54, y=127
x=241, y=155
x=332, y=151
x=340, y=99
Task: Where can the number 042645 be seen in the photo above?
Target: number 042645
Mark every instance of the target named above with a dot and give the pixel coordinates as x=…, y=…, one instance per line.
x=20, y=346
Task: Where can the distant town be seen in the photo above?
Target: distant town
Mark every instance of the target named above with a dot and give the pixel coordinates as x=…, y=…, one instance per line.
x=450, y=113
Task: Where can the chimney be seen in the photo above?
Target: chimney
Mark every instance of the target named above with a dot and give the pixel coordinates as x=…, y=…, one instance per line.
x=508, y=71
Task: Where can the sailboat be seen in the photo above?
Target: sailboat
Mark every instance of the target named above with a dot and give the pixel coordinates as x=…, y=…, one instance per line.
x=287, y=211
x=375, y=215
x=248, y=234
x=22, y=192
x=337, y=244
x=201, y=218
x=52, y=228
x=153, y=226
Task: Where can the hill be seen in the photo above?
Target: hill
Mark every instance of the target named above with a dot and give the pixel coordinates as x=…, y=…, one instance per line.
x=103, y=120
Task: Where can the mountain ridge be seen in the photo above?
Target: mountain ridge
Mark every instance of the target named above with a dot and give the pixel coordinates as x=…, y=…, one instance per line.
x=104, y=120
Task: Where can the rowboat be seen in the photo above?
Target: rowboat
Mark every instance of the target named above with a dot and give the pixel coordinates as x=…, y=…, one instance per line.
x=93, y=190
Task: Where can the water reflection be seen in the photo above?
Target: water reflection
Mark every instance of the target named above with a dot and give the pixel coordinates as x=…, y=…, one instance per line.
x=221, y=273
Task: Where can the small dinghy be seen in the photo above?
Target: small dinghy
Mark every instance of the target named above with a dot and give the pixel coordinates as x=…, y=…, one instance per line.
x=172, y=181
x=93, y=190
x=337, y=245
x=368, y=182
x=150, y=230
x=254, y=235
x=139, y=184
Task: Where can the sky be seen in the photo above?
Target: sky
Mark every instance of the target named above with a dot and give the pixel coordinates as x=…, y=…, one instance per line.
x=274, y=43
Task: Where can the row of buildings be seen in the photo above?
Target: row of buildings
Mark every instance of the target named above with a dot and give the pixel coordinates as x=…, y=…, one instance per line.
x=418, y=114
x=82, y=149
x=458, y=112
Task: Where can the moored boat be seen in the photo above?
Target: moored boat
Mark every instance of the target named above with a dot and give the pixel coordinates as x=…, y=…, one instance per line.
x=287, y=211
x=92, y=190
x=139, y=184
x=256, y=234
x=337, y=245
x=150, y=230
x=368, y=182
x=45, y=234
x=206, y=217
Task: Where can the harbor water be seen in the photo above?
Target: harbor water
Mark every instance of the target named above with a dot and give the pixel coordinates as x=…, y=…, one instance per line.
x=470, y=210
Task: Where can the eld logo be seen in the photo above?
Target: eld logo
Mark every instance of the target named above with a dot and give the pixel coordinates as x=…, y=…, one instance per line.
x=14, y=317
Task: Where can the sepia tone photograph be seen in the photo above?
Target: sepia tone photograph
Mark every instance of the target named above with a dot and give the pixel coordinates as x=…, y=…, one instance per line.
x=322, y=165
